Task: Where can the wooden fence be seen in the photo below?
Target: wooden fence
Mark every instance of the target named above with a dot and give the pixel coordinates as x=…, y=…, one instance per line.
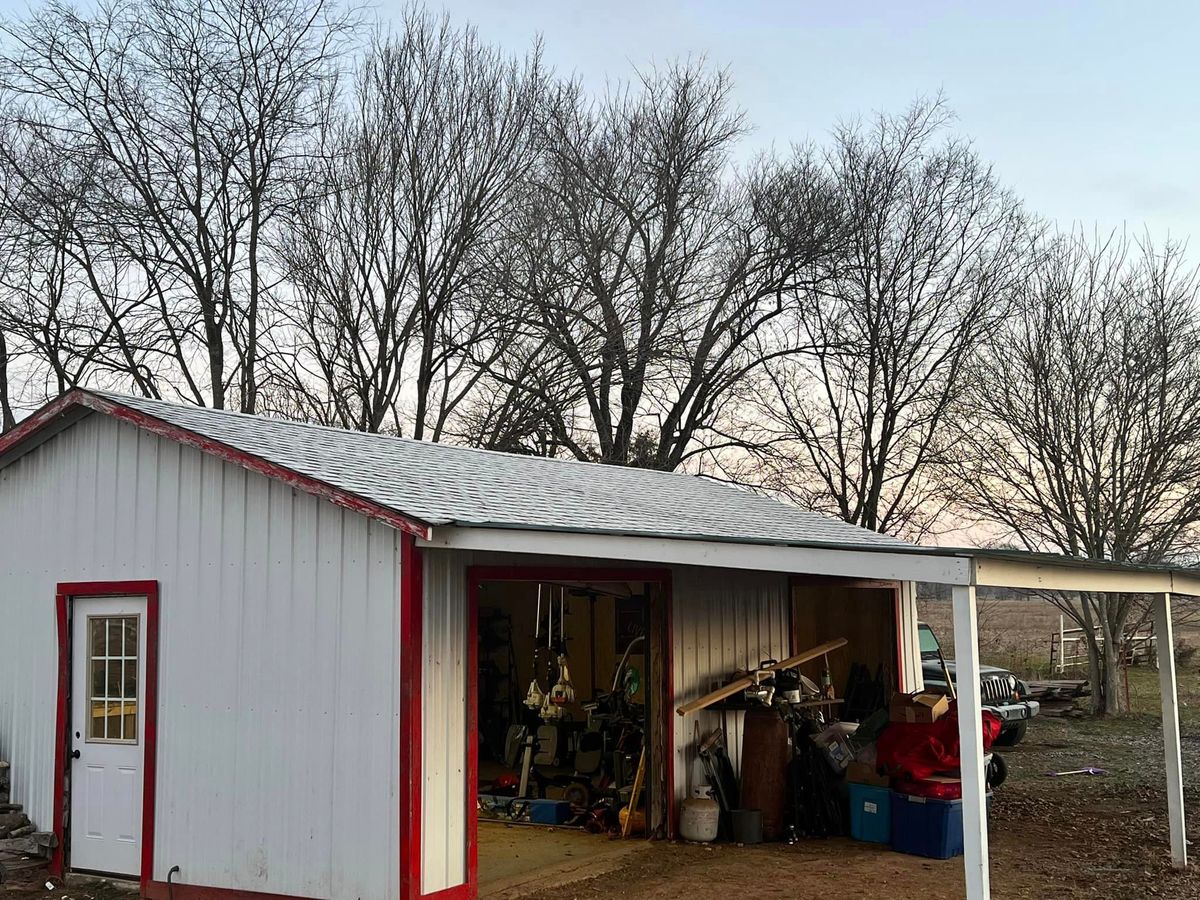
x=1068, y=646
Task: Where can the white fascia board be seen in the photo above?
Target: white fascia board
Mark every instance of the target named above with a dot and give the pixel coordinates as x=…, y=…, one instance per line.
x=1185, y=585
x=851, y=563
x=1042, y=575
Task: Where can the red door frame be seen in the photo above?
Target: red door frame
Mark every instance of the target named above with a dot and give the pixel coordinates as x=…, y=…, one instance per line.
x=64, y=595
x=476, y=576
x=412, y=598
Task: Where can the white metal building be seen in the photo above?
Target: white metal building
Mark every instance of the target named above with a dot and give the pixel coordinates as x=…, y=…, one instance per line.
x=235, y=651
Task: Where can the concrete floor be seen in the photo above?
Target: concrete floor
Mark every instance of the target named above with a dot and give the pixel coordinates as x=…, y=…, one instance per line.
x=515, y=860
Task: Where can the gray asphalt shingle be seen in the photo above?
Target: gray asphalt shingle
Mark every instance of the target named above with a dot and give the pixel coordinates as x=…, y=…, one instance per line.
x=441, y=484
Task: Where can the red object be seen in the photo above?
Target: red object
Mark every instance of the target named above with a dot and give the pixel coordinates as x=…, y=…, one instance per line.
x=63, y=597
x=52, y=417
x=412, y=599
x=935, y=790
x=920, y=749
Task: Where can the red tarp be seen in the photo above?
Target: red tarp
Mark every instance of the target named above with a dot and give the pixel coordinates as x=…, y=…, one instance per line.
x=918, y=750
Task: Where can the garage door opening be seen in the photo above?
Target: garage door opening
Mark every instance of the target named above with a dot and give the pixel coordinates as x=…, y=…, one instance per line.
x=570, y=696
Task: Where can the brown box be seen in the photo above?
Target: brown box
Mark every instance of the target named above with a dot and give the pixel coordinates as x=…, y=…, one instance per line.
x=864, y=773
x=919, y=708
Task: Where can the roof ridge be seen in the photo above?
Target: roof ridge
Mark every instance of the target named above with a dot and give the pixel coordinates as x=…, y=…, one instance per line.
x=503, y=487
x=299, y=423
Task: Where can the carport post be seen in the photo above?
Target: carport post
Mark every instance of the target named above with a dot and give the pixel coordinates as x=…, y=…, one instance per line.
x=970, y=738
x=1164, y=634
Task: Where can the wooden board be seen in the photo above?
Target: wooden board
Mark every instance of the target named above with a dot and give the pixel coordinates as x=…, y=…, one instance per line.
x=740, y=684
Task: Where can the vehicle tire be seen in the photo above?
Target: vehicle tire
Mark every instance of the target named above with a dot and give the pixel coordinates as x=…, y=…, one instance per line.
x=1012, y=735
x=997, y=772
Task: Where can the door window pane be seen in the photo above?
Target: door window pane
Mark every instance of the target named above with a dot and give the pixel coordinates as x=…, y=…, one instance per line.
x=113, y=678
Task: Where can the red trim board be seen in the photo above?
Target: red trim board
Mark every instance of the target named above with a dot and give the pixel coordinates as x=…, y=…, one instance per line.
x=49, y=414
x=476, y=575
x=472, y=736
x=411, y=658
x=65, y=593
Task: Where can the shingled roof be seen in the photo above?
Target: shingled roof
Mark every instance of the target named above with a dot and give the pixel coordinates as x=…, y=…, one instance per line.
x=442, y=484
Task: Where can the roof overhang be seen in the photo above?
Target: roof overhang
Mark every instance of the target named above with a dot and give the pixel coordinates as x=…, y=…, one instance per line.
x=77, y=404
x=849, y=562
x=957, y=566
x=1037, y=571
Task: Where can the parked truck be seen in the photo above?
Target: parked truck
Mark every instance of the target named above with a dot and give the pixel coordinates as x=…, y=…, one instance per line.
x=1003, y=693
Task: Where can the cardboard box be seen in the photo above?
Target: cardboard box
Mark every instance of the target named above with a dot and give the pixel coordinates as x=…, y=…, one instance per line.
x=864, y=773
x=919, y=708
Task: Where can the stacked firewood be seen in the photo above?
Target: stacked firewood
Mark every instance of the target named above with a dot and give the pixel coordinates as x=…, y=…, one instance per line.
x=13, y=821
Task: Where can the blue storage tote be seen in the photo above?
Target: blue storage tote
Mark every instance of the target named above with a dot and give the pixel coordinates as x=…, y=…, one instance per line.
x=924, y=826
x=870, y=813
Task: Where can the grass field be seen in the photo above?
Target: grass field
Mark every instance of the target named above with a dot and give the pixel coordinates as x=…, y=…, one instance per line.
x=1015, y=634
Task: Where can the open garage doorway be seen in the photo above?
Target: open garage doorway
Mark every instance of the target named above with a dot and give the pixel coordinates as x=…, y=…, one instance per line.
x=570, y=761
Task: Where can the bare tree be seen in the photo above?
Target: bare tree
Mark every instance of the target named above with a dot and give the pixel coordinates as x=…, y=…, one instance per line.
x=386, y=255
x=195, y=110
x=1080, y=430
x=646, y=272
x=853, y=423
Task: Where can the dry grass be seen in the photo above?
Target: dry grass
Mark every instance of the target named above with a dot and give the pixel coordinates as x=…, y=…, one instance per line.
x=1015, y=634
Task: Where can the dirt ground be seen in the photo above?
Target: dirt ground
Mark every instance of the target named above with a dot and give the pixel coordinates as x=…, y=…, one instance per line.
x=1068, y=838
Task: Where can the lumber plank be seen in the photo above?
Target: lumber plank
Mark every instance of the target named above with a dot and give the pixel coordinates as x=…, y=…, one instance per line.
x=740, y=684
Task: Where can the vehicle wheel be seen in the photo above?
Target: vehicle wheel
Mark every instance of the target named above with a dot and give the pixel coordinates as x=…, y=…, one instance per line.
x=1012, y=735
x=997, y=772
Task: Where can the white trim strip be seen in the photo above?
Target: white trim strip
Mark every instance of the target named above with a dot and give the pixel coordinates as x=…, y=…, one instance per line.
x=851, y=563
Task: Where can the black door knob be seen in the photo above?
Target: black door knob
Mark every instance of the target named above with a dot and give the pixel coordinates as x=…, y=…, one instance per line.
x=74, y=754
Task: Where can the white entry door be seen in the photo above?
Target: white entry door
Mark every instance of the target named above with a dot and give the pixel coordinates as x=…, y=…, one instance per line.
x=107, y=733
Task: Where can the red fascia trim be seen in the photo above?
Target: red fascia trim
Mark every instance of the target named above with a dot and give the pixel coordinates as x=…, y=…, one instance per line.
x=411, y=656
x=83, y=398
x=160, y=890
x=35, y=422
x=65, y=593
x=305, y=483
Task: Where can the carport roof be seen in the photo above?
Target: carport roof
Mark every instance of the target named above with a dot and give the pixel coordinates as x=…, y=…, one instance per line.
x=444, y=485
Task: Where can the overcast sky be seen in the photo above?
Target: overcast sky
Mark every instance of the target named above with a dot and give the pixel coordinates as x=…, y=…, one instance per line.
x=1089, y=110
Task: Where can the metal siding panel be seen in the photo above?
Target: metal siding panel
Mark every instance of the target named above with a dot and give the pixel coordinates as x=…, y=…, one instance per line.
x=444, y=721
x=722, y=621
x=278, y=764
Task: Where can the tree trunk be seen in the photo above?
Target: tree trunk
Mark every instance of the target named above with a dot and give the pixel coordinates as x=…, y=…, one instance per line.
x=1095, y=674
x=7, y=419
x=1114, y=694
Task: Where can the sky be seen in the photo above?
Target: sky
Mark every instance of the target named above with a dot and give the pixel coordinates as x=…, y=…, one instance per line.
x=1090, y=111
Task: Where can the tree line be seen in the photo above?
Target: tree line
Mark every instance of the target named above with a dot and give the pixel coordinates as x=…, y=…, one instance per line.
x=268, y=206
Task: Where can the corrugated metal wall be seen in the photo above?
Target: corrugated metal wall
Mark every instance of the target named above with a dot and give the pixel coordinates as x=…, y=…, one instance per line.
x=279, y=661
x=722, y=621
x=444, y=721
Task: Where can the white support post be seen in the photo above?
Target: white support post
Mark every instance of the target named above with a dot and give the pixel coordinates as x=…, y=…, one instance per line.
x=1165, y=646
x=970, y=736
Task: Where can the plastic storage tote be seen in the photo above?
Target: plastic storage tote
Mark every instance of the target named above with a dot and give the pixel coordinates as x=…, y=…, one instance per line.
x=927, y=827
x=870, y=813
